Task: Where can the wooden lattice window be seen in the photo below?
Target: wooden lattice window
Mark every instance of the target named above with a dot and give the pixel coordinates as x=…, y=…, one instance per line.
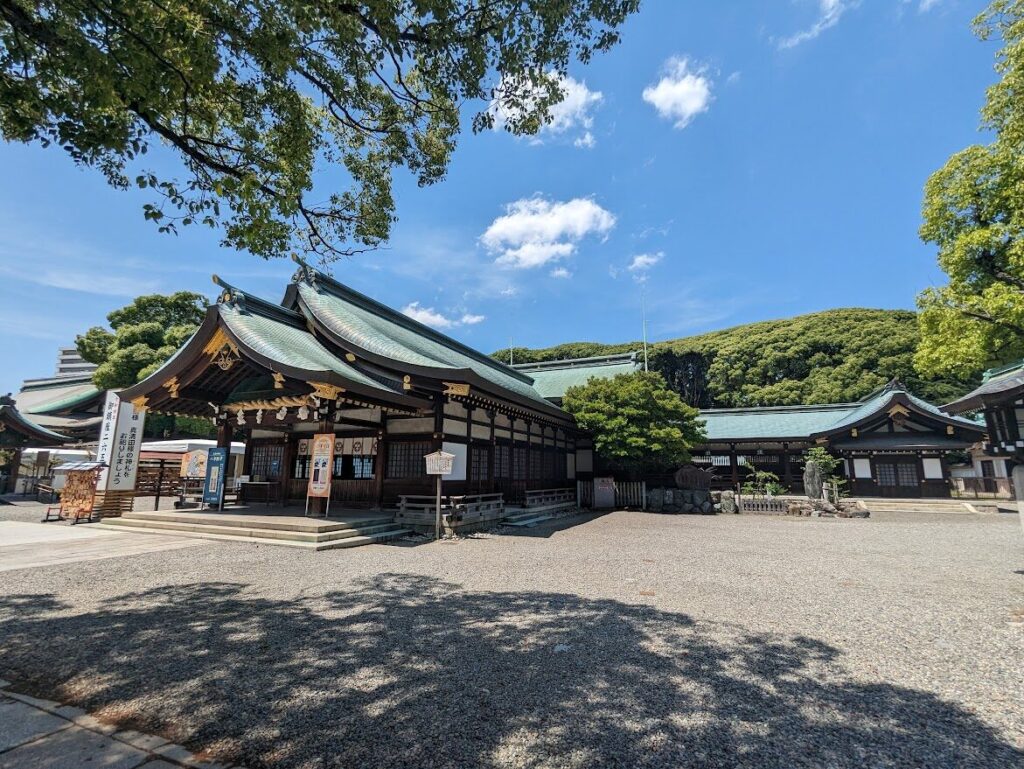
x=519, y=463
x=266, y=461
x=502, y=461
x=479, y=458
x=536, y=463
x=405, y=460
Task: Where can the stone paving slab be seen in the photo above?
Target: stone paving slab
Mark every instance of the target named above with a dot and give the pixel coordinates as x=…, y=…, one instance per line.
x=21, y=723
x=43, y=734
x=31, y=545
x=74, y=748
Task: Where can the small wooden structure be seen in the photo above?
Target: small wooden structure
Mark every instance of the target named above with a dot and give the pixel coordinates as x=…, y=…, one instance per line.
x=78, y=497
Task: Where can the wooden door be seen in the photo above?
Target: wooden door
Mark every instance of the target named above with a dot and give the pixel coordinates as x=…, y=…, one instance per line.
x=897, y=476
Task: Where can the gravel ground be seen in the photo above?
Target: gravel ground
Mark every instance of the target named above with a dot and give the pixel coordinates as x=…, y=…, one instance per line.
x=626, y=640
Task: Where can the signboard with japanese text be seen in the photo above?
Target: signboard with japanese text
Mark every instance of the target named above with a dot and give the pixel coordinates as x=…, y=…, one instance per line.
x=125, y=448
x=216, y=464
x=321, y=465
x=111, y=406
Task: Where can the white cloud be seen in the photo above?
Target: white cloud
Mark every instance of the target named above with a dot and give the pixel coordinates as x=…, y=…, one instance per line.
x=829, y=14
x=560, y=272
x=926, y=5
x=586, y=141
x=682, y=93
x=535, y=231
x=428, y=316
x=644, y=262
x=574, y=112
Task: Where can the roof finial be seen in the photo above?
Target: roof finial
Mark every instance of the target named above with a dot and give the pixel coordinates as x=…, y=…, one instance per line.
x=305, y=272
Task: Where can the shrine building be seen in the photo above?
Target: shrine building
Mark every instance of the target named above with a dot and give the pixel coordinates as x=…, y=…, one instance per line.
x=391, y=390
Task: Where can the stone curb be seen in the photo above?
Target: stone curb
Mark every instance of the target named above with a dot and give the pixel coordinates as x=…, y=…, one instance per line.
x=157, y=747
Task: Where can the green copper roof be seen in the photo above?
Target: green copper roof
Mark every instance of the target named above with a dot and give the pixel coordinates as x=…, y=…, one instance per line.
x=67, y=399
x=552, y=378
x=778, y=422
x=363, y=324
x=10, y=416
x=288, y=345
x=998, y=385
x=772, y=421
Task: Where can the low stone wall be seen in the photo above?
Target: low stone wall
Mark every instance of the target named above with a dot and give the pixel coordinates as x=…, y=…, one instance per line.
x=697, y=501
x=817, y=508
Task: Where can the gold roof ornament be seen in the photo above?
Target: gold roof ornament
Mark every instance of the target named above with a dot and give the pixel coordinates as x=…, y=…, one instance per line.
x=278, y=380
x=455, y=388
x=140, y=403
x=324, y=391
x=172, y=386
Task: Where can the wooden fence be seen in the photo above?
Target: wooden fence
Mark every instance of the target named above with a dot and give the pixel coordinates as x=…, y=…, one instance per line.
x=763, y=505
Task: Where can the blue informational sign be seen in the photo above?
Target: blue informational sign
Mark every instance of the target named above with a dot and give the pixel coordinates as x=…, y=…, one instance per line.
x=216, y=465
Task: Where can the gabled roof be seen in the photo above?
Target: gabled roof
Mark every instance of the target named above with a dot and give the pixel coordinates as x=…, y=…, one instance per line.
x=821, y=421
x=552, y=378
x=772, y=422
x=12, y=419
x=374, y=332
x=48, y=396
x=998, y=385
x=270, y=337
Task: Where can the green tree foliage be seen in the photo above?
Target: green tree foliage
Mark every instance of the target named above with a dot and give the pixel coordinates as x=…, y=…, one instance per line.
x=258, y=99
x=824, y=357
x=638, y=423
x=142, y=336
x=974, y=212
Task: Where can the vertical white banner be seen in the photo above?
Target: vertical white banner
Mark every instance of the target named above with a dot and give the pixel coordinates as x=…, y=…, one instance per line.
x=124, y=454
x=111, y=406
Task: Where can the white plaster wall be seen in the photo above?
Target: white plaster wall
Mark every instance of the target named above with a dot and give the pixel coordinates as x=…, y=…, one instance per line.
x=460, y=450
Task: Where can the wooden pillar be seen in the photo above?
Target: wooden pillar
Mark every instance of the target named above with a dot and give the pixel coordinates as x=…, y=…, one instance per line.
x=529, y=455
x=378, y=462
x=787, y=473
x=224, y=434
x=291, y=448
x=733, y=465
x=12, y=480
x=490, y=456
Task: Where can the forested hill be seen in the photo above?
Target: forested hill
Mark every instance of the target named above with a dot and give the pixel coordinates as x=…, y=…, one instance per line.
x=824, y=357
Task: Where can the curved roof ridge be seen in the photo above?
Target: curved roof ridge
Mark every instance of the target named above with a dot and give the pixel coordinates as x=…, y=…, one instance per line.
x=249, y=303
x=319, y=281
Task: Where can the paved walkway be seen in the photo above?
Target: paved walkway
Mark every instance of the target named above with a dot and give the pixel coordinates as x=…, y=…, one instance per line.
x=27, y=545
x=42, y=734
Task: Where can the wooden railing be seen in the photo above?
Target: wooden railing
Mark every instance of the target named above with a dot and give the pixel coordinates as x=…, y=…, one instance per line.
x=456, y=511
x=539, y=497
x=997, y=488
x=763, y=505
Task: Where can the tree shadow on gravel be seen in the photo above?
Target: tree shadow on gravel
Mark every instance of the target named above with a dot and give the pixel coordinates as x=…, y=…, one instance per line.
x=408, y=671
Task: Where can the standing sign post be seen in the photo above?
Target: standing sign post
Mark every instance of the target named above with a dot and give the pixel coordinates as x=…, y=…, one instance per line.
x=440, y=464
x=321, y=463
x=213, y=488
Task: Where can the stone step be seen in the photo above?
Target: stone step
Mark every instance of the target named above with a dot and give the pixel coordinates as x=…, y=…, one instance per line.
x=379, y=537
x=527, y=522
x=247, y=532
x=284, y=523
x=355, y=538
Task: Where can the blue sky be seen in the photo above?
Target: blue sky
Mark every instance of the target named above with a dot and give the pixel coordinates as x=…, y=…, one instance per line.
x=748, y=160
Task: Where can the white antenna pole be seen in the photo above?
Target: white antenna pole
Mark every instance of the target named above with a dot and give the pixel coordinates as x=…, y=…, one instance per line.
x=511, y=347
x=643, y=316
